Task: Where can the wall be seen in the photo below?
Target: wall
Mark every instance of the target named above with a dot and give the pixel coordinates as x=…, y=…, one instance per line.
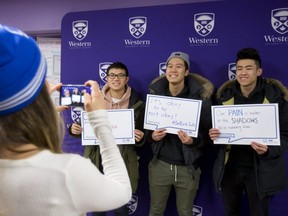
x=44, y=17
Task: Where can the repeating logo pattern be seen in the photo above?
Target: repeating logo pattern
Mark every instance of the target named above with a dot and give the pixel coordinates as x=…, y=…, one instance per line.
x=76, y=114
x=137, y=26
x=80, y=29
x=103, y=69
x=279, y=20
x=197, y=210
x=162, y=68
x=204, y=23
x=132, y=204
x=232, y=71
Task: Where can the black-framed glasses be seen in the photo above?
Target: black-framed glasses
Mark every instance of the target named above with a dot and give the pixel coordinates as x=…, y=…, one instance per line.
x=119, y=76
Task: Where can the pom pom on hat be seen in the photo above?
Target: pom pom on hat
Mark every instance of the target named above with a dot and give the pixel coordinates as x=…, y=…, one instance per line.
x=181, y=55
x=22, y=70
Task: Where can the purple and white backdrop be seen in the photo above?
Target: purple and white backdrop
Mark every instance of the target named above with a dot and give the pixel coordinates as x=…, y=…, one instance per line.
x=142, y=38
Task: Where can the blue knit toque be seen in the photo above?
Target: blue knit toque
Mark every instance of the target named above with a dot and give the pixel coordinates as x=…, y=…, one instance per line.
x=22, y=70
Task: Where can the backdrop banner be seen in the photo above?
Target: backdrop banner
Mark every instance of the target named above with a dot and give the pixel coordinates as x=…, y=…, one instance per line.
x=143, y=38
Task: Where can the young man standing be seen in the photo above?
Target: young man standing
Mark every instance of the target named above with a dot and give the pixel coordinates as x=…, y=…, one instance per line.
x=258, y=169
x=175, y=157
x=119, y=95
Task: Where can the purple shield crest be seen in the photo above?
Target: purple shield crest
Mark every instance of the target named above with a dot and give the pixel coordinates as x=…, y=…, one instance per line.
x=162, y=68
x=103, y=69
x=76, y=114
x=132, y=204
x=279, y=20
x=137, y=26
x=204, y=23
x=232, y=71
x=80, y=29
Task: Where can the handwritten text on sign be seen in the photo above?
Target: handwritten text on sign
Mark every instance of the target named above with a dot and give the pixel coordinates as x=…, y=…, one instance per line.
x=122, y=123
x=242, y=124
x=172, y=113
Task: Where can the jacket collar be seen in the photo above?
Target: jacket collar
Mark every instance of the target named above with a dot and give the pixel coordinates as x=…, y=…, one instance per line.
x=196, y=85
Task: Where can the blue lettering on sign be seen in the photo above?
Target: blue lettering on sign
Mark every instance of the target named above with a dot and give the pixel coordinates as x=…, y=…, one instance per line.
x=233, y=112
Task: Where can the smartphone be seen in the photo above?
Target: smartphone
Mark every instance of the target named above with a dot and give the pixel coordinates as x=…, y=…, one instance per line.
x=73, y=95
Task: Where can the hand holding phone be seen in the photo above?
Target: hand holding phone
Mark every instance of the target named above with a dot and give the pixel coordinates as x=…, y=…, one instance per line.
x=73, y=95
x=95, y=100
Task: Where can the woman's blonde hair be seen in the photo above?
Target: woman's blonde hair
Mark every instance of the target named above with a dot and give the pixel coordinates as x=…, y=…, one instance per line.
x=37, y=124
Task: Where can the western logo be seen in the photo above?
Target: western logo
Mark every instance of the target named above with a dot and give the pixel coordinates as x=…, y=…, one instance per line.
x=137, y=26
x=76, y=114
x=279, y=23
x=204, y=23
x=197, y=210
x=103, y=69
x=232, y=71
x=80, y=29
x=162, y=68
x=132, y=204
x=279, y=20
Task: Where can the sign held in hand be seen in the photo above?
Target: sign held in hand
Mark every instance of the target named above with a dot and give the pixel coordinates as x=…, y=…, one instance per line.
x=122, y=124
x=242, y=124
x=172, y=113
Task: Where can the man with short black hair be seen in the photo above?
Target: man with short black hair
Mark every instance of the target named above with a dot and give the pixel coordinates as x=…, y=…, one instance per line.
x=258, y=170
x=119, y=95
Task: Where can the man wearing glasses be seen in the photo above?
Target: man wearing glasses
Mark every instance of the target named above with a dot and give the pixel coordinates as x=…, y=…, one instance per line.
x=119, y=95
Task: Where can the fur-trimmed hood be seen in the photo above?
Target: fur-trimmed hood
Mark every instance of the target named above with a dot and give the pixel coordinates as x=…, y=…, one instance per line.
x=268, y=81
x=198, y=88
x=196, y=83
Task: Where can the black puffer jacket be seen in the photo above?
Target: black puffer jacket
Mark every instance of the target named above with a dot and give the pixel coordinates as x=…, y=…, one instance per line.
x=199, y=88
x=269, y=168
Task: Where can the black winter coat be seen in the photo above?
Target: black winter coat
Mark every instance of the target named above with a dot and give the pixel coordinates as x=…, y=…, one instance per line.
x=199, y=89
x=269, y=168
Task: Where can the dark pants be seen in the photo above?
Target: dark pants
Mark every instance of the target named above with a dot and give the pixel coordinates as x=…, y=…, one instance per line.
x=164, y=176
x=122, y=211
x=233, y=186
